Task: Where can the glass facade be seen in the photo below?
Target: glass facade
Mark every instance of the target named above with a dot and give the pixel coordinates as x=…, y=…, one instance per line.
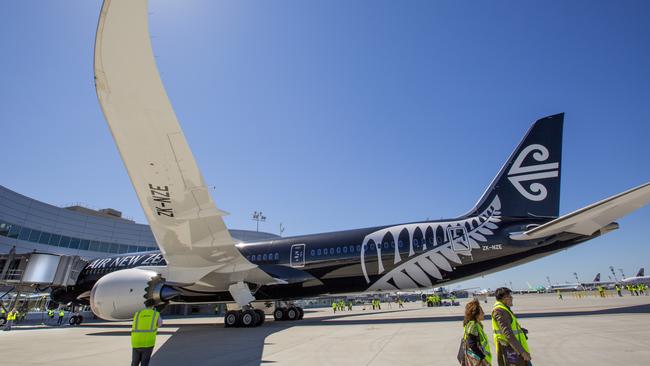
x=36, y=236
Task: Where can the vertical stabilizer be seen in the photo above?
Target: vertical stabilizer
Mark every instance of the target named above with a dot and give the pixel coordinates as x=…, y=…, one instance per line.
x=529, y=182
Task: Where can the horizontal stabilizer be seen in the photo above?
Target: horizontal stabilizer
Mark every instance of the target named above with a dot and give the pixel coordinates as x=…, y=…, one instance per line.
x=588, y=220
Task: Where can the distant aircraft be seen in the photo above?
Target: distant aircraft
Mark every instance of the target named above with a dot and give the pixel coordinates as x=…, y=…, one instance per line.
x=640, y=278
x=514, y=222
x=579, y=286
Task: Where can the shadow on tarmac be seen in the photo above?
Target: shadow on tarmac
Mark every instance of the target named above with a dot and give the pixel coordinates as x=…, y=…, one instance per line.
x=212, y=344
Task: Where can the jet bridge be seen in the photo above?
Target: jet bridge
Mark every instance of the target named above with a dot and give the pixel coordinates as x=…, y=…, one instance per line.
x=33, y=271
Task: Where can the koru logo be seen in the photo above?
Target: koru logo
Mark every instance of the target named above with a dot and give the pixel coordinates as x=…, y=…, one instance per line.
x=518, y=174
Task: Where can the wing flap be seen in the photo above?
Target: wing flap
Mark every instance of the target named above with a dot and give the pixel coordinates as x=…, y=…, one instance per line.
x=592, y=218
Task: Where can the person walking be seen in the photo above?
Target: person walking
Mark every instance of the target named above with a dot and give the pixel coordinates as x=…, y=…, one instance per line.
x=334, y=306
x=61, y=316
x=476, y=341
x=143, y=334
x=50, y=315
x=510, y=338
x=618, y=290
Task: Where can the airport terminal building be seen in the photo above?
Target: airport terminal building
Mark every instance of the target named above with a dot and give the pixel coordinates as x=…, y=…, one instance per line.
x=30, y=225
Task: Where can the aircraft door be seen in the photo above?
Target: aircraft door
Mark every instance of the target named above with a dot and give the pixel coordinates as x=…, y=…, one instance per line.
x=297, y=255
x=458, y=237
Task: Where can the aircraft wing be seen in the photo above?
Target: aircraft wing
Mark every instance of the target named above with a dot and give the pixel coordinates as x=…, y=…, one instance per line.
x=592, y=218
x=185, y=221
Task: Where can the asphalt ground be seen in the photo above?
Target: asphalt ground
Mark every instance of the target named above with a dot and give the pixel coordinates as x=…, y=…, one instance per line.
x=572, y=331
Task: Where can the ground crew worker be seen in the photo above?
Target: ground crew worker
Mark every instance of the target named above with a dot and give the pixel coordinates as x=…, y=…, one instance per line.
x=618, y=290
x=400, y=302
x=350, y=305
x=509, y=337
x=50, y=314
x=334, y=306
x=11, y=317
x=559, y=295
x=474, y=335
x=143, y=334
x=61, y=316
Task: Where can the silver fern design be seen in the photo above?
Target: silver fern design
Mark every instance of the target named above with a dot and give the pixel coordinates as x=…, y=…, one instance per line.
x=417, y=271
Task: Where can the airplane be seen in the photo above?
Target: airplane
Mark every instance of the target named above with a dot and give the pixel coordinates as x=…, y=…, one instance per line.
x=514, y=222
x=640, y=278
x=578, y=286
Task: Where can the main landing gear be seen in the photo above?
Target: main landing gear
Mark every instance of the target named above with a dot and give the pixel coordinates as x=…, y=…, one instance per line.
x=288, y=313
x=244, y=318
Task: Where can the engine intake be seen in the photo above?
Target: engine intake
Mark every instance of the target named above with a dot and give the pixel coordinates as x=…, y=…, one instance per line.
x=118, y=295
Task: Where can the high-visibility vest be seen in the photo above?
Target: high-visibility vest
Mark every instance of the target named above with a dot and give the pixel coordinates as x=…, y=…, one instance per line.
x=50, y=313
x=61, y=313
x=11, y=316
x=145, y=326
x=485, y=346
x=514, y=325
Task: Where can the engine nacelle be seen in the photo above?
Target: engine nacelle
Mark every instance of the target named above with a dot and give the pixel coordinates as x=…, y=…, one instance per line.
x=118, y=295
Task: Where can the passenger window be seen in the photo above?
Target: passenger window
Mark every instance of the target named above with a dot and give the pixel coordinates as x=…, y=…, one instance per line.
x=264, y=257
x=331, y=251
x=385, y=245
x=338, y=250
x=277, y=256
x=345, y=249
x=259, y=257
x=359, y=247
x=312, y=252
x=400, y=244
x=351, y=248
x=318, y=251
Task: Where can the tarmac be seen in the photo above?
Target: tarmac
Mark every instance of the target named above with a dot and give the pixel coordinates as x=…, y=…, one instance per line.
x=586, y=331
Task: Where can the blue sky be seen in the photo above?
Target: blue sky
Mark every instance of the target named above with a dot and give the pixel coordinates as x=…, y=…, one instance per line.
x=331, y=115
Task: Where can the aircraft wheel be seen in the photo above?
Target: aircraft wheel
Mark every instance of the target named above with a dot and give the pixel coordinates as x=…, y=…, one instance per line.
x=231, y=319
x=80, y=319
x=292, y=313
x=249, y=318
x=262, y=317
x=301, y=313
x=280, y=314
x=72, y=320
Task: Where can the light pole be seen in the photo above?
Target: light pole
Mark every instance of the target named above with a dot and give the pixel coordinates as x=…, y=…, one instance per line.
x=257, y=217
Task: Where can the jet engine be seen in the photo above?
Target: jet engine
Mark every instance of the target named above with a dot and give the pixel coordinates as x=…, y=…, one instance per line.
x=118, y=295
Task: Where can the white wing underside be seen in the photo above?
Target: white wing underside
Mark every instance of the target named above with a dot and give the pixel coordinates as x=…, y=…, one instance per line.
x=588, y=220
x=185, y=221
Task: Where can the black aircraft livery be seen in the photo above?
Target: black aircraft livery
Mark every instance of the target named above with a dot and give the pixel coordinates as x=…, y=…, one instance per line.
x=524, y=195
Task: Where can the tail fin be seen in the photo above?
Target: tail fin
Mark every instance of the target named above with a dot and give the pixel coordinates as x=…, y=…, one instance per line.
x=529, y=182
x=641, y=273
x=597, y=278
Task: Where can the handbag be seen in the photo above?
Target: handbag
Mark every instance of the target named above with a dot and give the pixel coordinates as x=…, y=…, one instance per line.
x=466, y=357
